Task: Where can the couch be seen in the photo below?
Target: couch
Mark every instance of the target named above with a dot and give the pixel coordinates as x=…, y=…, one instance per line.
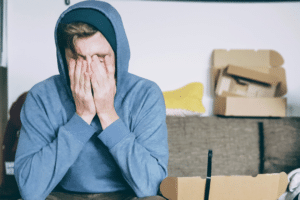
x=241, y=146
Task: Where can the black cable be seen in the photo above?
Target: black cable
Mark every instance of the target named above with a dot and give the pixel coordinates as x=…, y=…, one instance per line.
x=261, y=147
x=208, y=177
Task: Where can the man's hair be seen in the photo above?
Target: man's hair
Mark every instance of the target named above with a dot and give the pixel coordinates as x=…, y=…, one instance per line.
x=69, y=33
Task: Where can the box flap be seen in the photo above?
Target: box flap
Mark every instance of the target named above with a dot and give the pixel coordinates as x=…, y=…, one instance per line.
x=282, y=186
x=282, y=87
x=260, y=60
x=251, y=74
x=264, y=186
x=169, y=188
x=276, y=59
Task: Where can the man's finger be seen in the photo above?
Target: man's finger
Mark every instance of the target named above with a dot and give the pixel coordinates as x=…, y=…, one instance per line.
x=87, y=83
x=77, y=71
x=98, y=67
x=82, y=75
x=95, y=83
x=110, y=65
x=72, y=64
x=89, y=61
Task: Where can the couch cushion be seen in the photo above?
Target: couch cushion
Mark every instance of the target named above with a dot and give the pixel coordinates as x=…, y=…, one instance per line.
x=282, y=145
x=234, y=141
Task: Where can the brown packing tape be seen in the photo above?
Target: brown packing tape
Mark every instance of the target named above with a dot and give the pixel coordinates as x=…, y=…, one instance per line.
x=264, y=187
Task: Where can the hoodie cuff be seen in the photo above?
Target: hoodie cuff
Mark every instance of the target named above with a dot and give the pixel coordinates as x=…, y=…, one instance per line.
x=79, y=128
x=114, y=133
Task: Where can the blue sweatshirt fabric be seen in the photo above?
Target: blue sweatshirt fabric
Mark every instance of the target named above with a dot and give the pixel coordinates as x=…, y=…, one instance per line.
x=57, y=147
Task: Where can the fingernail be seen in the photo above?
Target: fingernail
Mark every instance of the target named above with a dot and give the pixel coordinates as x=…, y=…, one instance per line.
x=94, y=57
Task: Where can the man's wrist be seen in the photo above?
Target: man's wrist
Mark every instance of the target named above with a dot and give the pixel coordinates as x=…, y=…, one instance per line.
x=108, y=118
x=88, y=119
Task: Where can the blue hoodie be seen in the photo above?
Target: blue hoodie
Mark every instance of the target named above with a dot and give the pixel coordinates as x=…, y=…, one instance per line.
x=57, y=147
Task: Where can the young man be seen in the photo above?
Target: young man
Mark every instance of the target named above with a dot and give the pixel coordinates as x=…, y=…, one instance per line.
x=95, y=129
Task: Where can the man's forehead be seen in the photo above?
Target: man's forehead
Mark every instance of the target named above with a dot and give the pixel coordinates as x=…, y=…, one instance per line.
x=93, y=45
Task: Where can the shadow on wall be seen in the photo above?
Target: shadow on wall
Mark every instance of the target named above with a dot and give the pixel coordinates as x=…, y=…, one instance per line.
x=293, y=109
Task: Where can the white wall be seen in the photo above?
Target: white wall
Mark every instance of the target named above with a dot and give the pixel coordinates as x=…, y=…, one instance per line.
x=171, y=42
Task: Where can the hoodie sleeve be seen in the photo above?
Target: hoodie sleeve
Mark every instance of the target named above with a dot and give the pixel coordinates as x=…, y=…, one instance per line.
x=142, y=154
x=45, y=153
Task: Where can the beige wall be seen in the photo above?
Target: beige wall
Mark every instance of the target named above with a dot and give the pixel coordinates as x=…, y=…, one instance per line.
x=171, y=42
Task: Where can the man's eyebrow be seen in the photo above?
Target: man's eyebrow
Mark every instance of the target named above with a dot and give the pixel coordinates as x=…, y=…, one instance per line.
x=99, y=55
x=84, y=57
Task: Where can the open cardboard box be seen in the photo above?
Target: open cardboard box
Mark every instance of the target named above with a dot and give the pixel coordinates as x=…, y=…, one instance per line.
x=261, y=187
x=249, y=83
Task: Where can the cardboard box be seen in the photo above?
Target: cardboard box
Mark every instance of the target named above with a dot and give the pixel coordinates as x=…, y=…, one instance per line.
x=249, y=83
x=240, y=106
x=261, y=187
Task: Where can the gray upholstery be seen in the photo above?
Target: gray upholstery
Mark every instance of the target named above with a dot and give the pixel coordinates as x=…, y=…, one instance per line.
x=234, y=141
x=282, y=145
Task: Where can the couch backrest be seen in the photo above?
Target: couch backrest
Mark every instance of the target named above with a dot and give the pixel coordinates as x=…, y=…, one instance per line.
x=234, y=141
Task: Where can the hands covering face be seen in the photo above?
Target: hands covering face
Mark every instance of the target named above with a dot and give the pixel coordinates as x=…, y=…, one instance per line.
x=95, y=73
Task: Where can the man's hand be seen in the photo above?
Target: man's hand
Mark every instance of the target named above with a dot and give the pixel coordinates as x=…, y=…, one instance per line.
x=79, y=73
x=104, y=87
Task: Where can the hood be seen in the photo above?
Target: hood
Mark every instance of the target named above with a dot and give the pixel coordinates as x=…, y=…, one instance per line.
x=122, y=51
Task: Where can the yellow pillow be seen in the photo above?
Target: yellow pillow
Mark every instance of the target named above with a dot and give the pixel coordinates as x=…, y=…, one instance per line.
x=186, y=100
